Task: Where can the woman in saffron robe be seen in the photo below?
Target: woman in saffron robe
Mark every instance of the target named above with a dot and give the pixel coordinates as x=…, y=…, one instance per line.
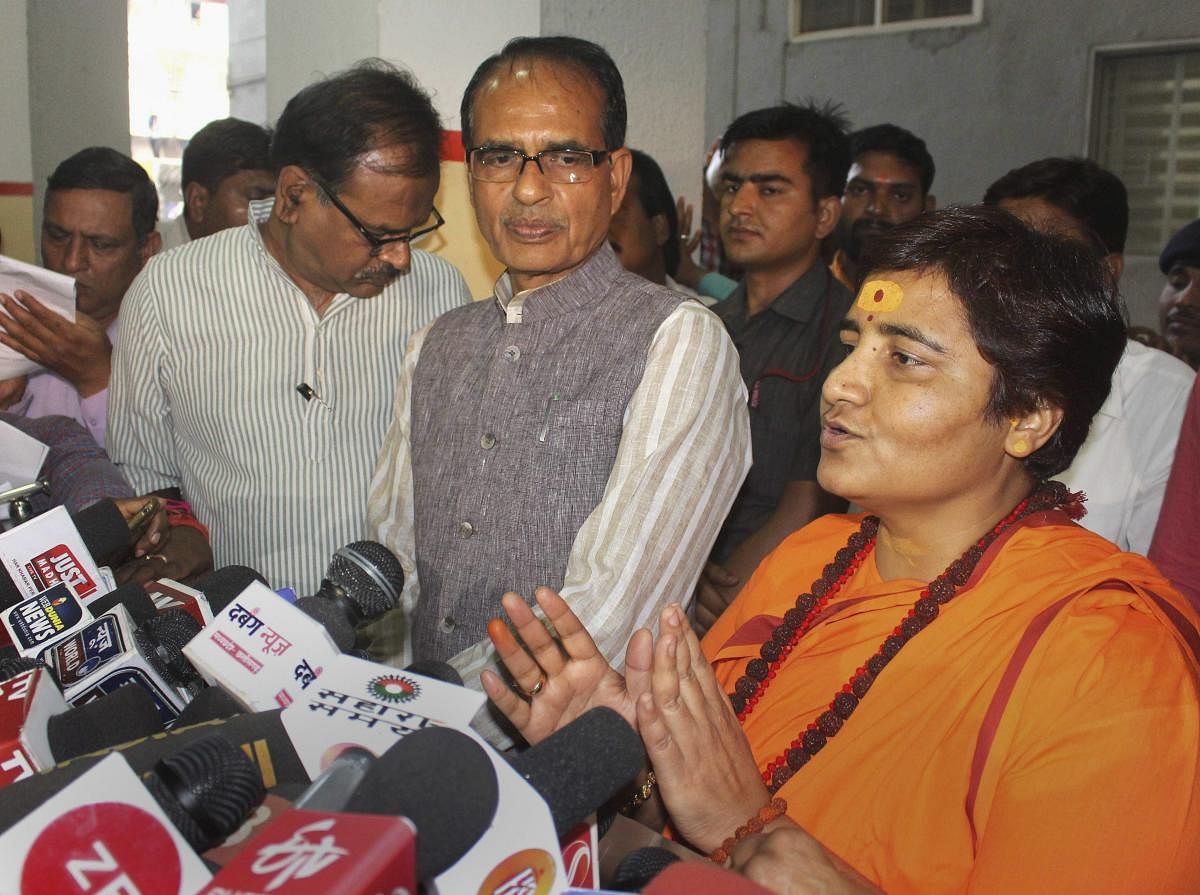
x=961, y=689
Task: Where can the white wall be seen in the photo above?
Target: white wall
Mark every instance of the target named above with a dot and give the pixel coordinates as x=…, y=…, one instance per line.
x=310, y=38
x=659, y=46
x=443, y=43
x=16, y=160
x=78, y=81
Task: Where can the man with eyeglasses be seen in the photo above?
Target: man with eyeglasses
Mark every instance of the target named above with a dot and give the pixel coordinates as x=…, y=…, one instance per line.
x=257, y=369
x=585, y=429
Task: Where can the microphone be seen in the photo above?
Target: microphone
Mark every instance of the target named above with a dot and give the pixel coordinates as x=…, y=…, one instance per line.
x=210, y=704
x=109, y=653
x=261, y=649
x=126, y=714
x=104, y=531
x=367, y=846
x=581, y=766
x=260, y=737
x=702, y=878
x=28, y=700
x=363, y=581
x=106, y=833
x=332, y=790
x=410, y=779
x=51, y=577
x=640, y=866
x=222, y=585
x=207, y=789
x=130, y=595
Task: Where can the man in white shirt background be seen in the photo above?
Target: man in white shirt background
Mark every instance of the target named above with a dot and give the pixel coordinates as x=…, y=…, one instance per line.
x=1124, y=465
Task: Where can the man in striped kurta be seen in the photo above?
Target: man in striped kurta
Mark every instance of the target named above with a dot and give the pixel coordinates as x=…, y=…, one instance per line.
x=257, y=366
x=585, y=429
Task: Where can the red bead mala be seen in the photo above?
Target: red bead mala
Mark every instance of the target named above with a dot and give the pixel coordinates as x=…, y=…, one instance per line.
x=760, y=672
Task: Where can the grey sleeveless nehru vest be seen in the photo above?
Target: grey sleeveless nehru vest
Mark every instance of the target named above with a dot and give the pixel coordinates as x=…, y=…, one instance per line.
x=515, y=427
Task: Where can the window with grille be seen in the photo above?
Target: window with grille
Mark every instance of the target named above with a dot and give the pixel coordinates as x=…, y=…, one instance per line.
x=829, y=18
x=1146, y=130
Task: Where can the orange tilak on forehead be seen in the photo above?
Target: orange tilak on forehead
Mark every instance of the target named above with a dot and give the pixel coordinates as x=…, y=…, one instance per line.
x=877, y=296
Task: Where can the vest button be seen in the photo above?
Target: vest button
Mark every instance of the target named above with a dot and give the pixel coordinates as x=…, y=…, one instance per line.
x=465, y=529
x=488, y=441
x=512, y=352
x=447, y=625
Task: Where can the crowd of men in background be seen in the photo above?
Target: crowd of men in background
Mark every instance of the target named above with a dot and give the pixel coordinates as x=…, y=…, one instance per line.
x=631, y=417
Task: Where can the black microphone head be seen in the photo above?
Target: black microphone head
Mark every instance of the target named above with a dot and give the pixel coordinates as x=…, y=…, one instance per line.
x=162, y=639
x=581, y=766
x=207, y=789
x=11, y=666
x=133, y=597
x=210, y=704
x=332, y=618
x=104, y=531
x=639, y=867
x=439, y=671
x=221, y=586
x=411, y=779
x=126, y=714
x=369, y=574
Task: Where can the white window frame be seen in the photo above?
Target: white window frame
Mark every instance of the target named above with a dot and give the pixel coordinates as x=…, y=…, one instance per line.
x=974, y=17
x=1109, y=51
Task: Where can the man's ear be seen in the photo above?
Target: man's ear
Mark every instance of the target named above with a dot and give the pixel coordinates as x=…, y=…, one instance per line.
x=289, y=192
x=195, y=203
x=621, y=166
x=930, y=202
x=829, y=210
x=150, y=246
x=1028, y=432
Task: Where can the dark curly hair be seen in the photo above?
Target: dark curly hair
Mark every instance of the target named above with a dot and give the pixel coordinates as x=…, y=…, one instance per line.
x=822, y=129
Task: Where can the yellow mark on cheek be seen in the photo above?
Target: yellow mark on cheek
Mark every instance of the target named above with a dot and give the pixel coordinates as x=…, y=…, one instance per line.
x=880, y=295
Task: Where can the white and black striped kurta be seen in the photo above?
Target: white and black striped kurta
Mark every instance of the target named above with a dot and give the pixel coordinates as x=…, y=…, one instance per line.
x=215, y=339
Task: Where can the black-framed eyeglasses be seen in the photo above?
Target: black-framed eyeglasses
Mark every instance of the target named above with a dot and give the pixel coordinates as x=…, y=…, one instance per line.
x=379, y=242
x=504, y=164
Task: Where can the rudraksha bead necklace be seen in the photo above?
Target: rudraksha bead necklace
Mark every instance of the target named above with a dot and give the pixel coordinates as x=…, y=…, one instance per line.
x=809, y=606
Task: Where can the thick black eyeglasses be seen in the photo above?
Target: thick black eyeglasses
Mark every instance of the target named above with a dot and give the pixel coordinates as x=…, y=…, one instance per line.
x=503, y=164
x=379, y=242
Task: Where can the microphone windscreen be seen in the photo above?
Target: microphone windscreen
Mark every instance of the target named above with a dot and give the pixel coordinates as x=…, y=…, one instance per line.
x=222, y=585
x=104, y=531
x=582, y=765
x=162, y=639
x=439, y=671
x=207, y=789
x=210, y=704
x=370, y=575
x=639, y=867
x=330, y=617
x=132, y=596
x=441, y=780
x=122, y=716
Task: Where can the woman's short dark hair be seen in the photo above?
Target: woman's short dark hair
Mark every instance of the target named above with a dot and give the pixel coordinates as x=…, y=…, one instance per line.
x=588, y=58
x=102, y=168
x=655, y=196
x=1042, y=309
x=329, y=125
